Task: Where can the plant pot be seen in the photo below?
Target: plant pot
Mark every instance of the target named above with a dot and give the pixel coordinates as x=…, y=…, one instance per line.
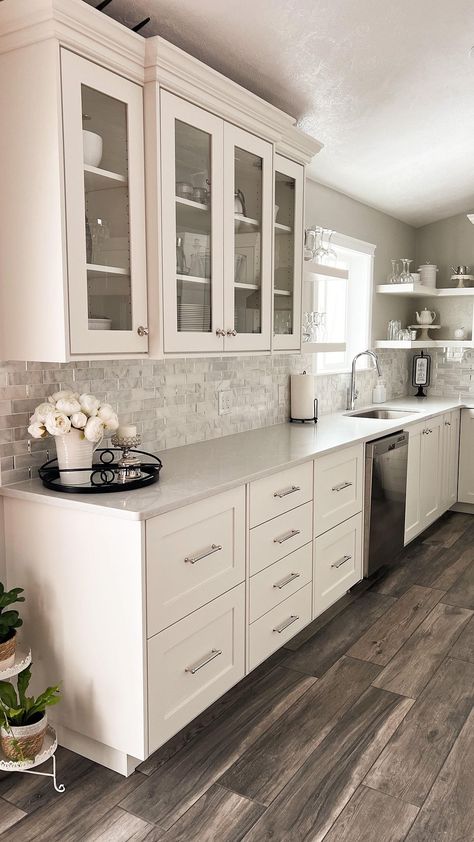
x=23, y=742
x=74, y=451
x=7, y=651
x=92, y=148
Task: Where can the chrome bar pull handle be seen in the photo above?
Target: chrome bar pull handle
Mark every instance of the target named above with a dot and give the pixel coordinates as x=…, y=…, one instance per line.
x=192, y=559
x=289, y=622
x=286, y=537
x=341, y=486
x=286, y=581
x=341, y=561
x=286, y=491
x=194, y=668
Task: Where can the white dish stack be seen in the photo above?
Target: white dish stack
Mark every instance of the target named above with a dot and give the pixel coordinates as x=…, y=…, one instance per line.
x=428, y=274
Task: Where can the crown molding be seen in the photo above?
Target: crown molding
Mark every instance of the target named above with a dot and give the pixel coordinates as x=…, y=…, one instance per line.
x=73, y=24
x=186, y=76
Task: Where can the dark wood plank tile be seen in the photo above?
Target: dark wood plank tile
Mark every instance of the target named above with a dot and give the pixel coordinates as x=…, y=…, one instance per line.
x=120, y=826
x=274, y=758
x=72, y=814
x=449, y=576
x=413, y=567
x=380, y=643
x=448, y=529
x=219, y=814
x=462, y=592
x=9, y=815
x=216, y=710
x=29, y=792
x=371, y=816
x=410, y=762
x=464, y=646
x=319, y=653
x=414, y=664
x=313, y=799
x=170, y=791
x=448, y=813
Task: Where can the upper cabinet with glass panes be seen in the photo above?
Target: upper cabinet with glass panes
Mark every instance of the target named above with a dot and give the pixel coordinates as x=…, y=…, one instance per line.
x=205, y=266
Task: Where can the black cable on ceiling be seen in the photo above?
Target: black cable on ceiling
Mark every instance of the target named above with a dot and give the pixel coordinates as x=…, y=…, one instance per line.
x=104, y=3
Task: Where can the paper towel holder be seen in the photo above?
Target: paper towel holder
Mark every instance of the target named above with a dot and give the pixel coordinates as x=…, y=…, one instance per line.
x=313, y=419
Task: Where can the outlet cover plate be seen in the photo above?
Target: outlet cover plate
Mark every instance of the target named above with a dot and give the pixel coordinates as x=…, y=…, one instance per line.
x=225, y=401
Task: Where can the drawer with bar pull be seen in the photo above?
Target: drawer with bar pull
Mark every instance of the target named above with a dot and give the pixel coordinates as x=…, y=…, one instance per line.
x=194, y=662
x=193, y=555
x=277, y=582
x=279, y=625
x=338, y=484
x=279, y=537
x=337, y=562
x=278, y=493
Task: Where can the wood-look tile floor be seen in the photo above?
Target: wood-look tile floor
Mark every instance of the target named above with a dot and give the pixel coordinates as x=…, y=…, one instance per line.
x=360, y=730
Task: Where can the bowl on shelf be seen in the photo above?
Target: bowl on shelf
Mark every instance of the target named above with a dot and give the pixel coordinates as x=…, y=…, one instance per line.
x=92, y=144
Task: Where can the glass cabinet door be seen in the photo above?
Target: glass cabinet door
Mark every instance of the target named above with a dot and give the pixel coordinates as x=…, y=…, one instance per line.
x=247, y=240
x=288, y=254
x=105, y=209
x=192, y=226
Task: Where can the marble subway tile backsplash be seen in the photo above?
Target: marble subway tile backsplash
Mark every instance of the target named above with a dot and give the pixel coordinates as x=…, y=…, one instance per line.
x=452, y=373
x=172, y=402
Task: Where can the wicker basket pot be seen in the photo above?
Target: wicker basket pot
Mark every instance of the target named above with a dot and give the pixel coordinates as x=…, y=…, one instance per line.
x=23, y=742
x=7, y=652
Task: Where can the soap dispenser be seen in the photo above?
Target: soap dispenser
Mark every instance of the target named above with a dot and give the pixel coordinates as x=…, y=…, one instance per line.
x=379, y=393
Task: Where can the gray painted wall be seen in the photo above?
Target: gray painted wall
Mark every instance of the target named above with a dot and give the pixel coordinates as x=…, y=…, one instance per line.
x=448, y=242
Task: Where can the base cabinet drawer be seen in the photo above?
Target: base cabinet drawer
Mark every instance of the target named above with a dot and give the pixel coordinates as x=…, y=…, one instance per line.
x=279, y=625
x=278, y=493
x=338, y=483
x=279, y=537
x=194, y=662
x=279, y=581
x=193, y=555
x=337, y=563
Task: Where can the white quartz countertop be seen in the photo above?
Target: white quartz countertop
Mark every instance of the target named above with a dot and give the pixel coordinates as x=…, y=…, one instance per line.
x=192, y=472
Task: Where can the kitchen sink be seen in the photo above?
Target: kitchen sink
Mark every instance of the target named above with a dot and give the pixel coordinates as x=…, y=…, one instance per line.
x=384, y=414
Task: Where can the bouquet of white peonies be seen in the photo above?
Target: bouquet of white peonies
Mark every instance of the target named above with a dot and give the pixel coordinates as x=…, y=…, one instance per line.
x=66, y=411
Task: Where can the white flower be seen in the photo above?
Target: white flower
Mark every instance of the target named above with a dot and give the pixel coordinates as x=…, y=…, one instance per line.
x=41, y=411
x=57, y=423
x=94, y=429
x=68, y=406
x=78, y=420
x=109, y=417
x=37, y=430
x=66, y=394
x=89, y=404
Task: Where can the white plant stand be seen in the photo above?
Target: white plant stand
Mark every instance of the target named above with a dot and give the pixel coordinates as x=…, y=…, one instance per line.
x=23, y=660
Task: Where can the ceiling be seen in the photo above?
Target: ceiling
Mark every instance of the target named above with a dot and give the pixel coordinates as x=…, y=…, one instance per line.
x=387, y=88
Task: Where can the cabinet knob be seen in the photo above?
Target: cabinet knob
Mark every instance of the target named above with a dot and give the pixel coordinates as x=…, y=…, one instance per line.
x=232, y=332
x=220, y=332
x=142, y=331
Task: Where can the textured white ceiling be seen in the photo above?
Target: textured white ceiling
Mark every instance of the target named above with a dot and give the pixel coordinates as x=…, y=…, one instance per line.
x=387, y=87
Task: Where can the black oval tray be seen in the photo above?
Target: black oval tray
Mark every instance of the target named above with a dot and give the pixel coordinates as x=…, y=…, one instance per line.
x=102, y=474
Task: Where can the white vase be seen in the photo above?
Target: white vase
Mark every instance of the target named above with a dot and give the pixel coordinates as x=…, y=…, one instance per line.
x=92, y=148
x=74, y=451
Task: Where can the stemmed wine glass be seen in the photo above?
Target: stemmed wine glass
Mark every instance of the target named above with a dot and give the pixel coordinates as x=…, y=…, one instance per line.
x=330, y=256
x=405, y=276
x=394, y=276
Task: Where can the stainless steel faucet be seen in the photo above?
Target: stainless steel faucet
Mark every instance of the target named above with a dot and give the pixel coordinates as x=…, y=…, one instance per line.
x=353, y=393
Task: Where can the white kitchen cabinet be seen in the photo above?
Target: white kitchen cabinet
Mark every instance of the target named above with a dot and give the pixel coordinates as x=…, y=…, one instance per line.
x=337, y=563
x=450, y=436
x=274, y=629
x=466, y=458
x=424, y=498
x=338, y=482
x=413, y=519
x=287, y=253
x=72, y=234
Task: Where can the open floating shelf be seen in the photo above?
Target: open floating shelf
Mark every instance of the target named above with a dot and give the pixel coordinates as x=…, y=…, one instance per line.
x=404, y=344
x=322, y=347
x=97, y=179
x=311, y=267
x=420, y=291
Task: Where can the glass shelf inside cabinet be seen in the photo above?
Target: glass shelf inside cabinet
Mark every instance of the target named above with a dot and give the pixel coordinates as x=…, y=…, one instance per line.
x=193, y=228
x=107, y=223
x=247, y=242
x=284, y=221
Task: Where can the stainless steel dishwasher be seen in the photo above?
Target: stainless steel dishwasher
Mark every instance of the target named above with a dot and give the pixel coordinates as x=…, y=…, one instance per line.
x=384, y=501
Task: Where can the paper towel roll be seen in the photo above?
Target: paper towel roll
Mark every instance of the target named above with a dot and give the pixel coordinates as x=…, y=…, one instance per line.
x=302, y=388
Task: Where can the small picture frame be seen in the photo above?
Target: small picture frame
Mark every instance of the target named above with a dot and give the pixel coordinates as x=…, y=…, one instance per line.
x=421, y=373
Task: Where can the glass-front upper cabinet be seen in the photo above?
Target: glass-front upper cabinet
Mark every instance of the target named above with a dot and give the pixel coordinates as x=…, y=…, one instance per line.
x=248, y=222
x=288, y=254
x=192, y=226
x=105, y=209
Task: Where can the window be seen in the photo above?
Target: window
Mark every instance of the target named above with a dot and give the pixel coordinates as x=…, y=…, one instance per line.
x=347, y=304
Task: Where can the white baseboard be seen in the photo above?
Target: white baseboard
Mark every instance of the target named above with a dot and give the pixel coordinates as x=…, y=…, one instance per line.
x=118, y=761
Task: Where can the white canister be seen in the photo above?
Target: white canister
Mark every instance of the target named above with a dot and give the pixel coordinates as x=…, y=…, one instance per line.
x=92, y=144
x=303, y=401
x=379, y=392
x=74, y=451
x=428, y=274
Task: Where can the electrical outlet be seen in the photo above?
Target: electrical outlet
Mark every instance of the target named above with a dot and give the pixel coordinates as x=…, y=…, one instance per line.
x=225, y=401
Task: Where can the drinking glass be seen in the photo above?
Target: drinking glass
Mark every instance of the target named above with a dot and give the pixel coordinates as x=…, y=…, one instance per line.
x=330, y=257
x=320, y=251
x=406, y=277
x=394, y=276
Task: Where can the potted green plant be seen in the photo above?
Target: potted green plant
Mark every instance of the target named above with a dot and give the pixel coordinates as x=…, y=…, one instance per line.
x=9, y=622
x=24, y=717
